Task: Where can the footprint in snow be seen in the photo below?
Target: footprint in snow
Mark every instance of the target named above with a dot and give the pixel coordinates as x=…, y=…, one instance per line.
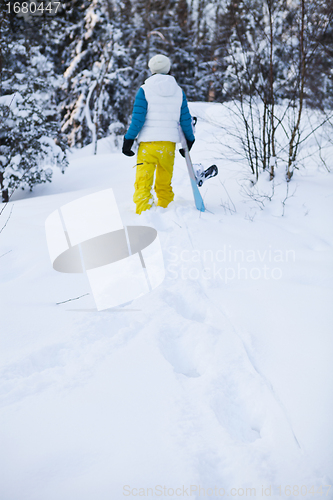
x=188, y=308
x=156, y=218
x=178, y=350
x=237, y=409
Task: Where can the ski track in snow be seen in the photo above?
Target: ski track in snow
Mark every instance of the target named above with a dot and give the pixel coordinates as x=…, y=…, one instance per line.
x=238, y=422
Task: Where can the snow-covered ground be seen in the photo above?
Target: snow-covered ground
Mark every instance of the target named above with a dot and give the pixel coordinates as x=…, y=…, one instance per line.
x=217, y=383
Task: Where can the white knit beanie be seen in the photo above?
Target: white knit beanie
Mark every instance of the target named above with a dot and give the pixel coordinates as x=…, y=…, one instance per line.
x=159, y=64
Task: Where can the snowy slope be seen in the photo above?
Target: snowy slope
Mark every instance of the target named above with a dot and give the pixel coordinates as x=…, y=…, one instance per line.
x=219, y=378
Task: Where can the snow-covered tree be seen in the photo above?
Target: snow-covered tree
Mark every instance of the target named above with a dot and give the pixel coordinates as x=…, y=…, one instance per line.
x=98, y=72
x=30, y=138
x=277, y=54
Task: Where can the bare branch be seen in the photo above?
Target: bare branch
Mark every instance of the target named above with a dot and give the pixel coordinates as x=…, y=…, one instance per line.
x=5, y=253
x=10, y=213
x=69, y=300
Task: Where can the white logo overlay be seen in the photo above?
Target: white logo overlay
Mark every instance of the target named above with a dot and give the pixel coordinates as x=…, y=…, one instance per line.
x=121, y=262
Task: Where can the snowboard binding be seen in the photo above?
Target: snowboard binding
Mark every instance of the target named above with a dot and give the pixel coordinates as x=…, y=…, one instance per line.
x=201, y=175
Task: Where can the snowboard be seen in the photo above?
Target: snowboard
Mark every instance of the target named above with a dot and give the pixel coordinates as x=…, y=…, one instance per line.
x=196, y=172
x=196, y=193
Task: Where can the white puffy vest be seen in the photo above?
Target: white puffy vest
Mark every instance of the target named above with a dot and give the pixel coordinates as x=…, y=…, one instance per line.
x=164, y=98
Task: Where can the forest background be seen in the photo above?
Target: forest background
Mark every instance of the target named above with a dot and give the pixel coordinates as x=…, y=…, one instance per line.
x=70, y=71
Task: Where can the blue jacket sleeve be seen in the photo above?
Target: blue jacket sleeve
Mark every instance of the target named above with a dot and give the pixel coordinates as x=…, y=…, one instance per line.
x=186, y=120
x=138, y=116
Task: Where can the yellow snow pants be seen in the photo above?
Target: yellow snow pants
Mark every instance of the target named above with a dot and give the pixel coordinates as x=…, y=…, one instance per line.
x=159, y=155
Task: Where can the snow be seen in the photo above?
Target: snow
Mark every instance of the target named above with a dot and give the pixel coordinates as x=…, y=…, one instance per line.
x=219, y=378
x=71, y=68
x=11, y=100
x=48, y=145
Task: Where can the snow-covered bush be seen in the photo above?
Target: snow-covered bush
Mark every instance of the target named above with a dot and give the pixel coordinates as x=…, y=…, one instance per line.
x=29, y=121
x=27, y=148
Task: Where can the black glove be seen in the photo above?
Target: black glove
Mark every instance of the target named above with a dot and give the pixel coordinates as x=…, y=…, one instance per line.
x=189, y=145
x=127, y=144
